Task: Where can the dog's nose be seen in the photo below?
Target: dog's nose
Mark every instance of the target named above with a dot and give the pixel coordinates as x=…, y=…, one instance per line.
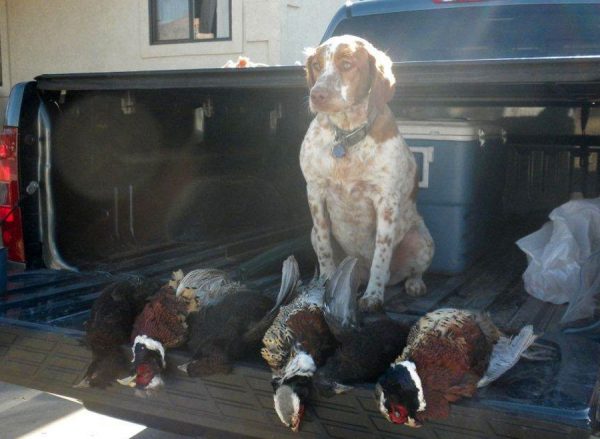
x=319, y=95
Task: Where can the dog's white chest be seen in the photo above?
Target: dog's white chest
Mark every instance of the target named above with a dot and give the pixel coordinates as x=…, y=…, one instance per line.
x=360, y=164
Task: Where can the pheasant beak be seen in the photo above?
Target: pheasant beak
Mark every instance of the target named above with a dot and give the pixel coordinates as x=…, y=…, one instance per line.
x=83, y=384
x=297, y=419
x=412, y=423
x=129, y=381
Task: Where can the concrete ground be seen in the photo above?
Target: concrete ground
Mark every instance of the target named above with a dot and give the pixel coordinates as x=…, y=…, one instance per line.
x=31, y=414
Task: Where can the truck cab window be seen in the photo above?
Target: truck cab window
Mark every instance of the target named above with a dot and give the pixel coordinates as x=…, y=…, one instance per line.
x=184, y=21
x=495, y=32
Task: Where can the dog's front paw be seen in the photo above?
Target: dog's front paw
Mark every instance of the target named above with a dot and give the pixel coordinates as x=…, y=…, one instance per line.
x=371, y=302
x=326, y=269
x=415, y=287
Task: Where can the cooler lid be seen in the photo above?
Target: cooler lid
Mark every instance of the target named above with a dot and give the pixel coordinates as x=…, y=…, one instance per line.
x=454, y=130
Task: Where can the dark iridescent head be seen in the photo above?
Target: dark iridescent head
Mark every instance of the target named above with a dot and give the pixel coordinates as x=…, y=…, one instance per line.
x=148, y=362
x=400, y=395
x=290, y=399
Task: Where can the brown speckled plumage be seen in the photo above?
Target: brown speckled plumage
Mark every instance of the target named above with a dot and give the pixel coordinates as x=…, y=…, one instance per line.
x=208, y=285
x=448, y=323
x=300, y=322
x=451, y=349
x=163, y=319
x=450, y=353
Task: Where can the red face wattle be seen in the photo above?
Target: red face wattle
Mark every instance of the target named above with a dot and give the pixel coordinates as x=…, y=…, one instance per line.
x=398, y=414
x=144, y=375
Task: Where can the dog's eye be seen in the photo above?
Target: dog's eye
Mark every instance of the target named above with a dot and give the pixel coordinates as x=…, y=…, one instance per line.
x=346, y=65
x=316, y=66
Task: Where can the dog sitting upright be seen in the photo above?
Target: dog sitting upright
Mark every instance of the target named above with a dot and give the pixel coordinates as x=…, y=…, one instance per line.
x=361, y=178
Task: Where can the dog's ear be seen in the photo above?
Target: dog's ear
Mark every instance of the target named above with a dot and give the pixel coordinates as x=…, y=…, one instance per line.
x=310, y=54
x=383, y=82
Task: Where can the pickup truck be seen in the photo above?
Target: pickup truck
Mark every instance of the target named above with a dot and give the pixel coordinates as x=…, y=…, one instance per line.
x=112, y=175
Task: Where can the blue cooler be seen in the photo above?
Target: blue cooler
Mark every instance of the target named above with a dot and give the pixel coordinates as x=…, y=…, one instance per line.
x=461, y=179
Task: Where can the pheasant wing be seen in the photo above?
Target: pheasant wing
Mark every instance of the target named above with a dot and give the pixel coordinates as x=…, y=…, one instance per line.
x=506, y=353
x=340, y=297
x=290, y=280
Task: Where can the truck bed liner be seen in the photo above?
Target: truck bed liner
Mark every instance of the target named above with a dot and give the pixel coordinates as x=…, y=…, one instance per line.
x=546, y=400
x=46, y=296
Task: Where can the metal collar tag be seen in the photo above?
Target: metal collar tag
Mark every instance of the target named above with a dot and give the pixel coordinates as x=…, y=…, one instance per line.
x=345, y=139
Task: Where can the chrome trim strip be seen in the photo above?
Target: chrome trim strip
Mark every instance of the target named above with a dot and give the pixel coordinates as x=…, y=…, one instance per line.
x=51, y=255
x=39, y=176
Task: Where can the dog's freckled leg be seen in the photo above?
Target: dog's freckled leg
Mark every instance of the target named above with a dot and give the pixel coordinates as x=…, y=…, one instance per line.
x=321, y=238
x=389, y=230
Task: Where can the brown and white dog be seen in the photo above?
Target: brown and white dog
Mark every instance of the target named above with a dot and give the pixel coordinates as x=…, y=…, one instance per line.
x=361, y=177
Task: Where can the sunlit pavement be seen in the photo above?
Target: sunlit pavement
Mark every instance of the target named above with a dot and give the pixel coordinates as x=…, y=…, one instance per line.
x=30, y=414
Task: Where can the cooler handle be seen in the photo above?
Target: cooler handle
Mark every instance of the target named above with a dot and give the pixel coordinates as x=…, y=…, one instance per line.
x=427, y=153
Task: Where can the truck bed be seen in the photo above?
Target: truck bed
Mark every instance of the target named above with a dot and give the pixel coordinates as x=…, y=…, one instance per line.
x=40, y=348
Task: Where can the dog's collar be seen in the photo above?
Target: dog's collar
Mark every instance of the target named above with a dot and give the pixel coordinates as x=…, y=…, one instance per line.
x=345, y=139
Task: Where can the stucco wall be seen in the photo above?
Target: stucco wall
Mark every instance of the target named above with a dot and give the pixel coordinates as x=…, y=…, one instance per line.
x=71, y=36
x=61, y=36
x=262, y=31
x=6, y=83
x=304, y=23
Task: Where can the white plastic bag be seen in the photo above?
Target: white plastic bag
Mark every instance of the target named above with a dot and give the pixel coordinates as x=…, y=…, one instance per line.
x=584, y=309
x=560, y=248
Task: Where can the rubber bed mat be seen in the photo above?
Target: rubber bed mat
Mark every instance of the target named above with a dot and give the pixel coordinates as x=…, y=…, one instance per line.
x=531, y=401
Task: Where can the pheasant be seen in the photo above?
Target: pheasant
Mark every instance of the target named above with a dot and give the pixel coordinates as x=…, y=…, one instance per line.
x=231, y=323
x=449, y=354
x=160, y=326
x=109, y=326
x=298, y=341
x=367, y=344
